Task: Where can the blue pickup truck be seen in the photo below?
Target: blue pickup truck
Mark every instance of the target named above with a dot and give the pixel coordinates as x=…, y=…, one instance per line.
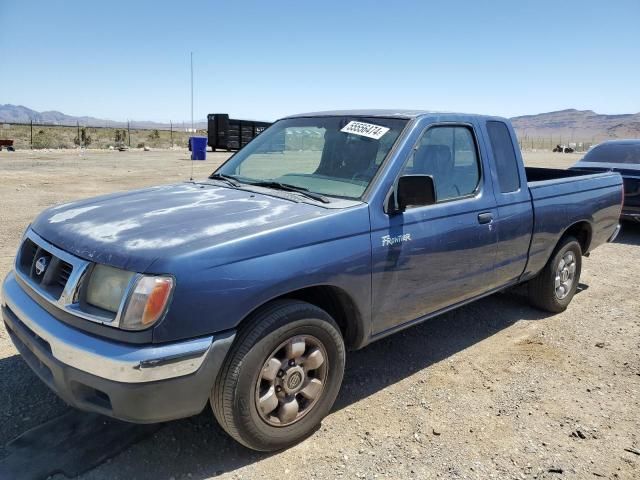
x=328, y=231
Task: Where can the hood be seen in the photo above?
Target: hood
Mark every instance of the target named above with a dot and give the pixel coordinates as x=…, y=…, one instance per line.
x=131, y=230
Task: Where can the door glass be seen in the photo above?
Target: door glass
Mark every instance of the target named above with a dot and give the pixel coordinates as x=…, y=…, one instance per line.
x=449, y=155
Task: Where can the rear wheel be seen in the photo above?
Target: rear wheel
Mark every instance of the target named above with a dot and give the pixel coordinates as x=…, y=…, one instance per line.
x=554, y=287
x=281, y=377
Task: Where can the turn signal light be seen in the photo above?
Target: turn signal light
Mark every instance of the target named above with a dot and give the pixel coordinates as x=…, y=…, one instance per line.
x=148, y=302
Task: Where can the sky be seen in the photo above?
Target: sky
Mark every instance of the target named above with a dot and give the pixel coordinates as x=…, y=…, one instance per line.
x=266, y=59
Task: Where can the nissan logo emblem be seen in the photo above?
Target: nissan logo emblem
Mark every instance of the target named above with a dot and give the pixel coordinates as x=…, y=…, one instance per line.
x=41, y=265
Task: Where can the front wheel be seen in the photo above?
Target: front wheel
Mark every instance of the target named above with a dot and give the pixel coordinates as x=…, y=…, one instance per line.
x=281, y=377
x=554, y=287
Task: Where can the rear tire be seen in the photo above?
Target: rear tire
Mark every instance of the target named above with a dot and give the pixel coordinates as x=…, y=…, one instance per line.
x=305, y=346
x=554, y=287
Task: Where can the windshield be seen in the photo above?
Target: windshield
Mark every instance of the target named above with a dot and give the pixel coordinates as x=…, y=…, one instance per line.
x=334, y=156
x=614, y=153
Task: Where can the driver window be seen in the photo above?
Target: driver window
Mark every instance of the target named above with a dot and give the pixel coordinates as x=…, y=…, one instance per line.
x=449, y=155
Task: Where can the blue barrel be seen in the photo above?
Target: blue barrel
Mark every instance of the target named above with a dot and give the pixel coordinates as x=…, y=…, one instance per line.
x=198, y=148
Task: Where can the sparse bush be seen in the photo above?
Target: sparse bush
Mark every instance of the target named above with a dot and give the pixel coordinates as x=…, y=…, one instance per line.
x=84, y=140
x=42, y=139
x=59, y=136
x=47, y=140
x=140, y=145
x=154, y=135
x=120, y=136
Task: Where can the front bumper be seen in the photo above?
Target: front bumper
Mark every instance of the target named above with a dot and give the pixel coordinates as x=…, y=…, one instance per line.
x=137, y=383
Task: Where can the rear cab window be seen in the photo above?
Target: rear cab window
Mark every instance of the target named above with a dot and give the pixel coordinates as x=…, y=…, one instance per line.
x=504, y=156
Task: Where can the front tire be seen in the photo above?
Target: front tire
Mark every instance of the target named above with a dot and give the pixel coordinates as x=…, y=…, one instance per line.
x=281, y=377
x=554, y=287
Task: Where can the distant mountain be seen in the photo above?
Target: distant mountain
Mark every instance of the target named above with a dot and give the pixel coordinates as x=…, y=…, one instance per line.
x=578, y=124
x=581, y=125
x=21, y=114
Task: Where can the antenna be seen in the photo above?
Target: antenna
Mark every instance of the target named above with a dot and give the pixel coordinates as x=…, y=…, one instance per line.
x=192, y=130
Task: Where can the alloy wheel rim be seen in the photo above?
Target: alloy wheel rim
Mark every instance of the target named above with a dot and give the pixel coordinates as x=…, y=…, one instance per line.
x=291, y=380
x=565, y=275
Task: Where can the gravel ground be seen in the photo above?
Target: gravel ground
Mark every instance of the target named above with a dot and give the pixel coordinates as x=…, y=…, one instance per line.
x=492, y=390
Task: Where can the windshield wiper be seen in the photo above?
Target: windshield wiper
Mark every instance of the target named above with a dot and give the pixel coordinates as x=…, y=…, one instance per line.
x=292, y=188
x=225, y=178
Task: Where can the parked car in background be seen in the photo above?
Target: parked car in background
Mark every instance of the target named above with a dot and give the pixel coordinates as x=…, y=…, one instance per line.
x=326, y=232
x=622, y=156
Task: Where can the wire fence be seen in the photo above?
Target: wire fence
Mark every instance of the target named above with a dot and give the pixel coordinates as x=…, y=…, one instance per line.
x=132, y=135
x=555, y=141
x=143, y=134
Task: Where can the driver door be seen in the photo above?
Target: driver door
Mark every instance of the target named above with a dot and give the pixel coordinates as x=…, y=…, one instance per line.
x=429, y=258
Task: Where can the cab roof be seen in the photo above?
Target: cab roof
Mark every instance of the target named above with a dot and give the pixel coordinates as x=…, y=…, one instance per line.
x=388, y=113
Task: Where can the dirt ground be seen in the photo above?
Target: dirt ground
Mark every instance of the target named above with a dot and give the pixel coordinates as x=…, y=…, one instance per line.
x=492, y=390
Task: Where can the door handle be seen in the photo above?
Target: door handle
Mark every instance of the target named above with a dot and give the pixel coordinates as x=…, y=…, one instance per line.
x=486, y=217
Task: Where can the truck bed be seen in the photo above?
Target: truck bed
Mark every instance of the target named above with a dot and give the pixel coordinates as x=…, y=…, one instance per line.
x=538, y=174
x=561, y=198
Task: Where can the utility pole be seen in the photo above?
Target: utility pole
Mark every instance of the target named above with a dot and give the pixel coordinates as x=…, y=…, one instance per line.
x=192, y=92
x=31, y=134
x=193, y=150
x=79, y=139
x=129, y=131
x=171, y=130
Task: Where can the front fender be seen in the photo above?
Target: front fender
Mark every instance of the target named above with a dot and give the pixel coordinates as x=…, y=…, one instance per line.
x=219, y=298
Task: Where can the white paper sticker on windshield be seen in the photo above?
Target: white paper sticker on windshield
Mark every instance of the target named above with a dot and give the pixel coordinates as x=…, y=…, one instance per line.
x=365, y=129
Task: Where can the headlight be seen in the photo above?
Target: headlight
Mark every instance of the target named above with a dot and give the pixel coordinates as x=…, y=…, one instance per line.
x=147, y=303
x=107, y=287
x=146, y=296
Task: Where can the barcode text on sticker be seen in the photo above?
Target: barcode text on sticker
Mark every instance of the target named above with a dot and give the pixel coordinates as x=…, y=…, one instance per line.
x=365, y=129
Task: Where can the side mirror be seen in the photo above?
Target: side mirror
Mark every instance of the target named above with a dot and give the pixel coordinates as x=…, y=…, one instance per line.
x=415, y=191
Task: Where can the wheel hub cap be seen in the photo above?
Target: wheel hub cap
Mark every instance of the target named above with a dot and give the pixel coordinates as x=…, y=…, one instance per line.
x=291, y=380
x=565, y=275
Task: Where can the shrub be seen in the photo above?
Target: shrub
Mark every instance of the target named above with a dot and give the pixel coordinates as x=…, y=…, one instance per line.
x=44, y=140
x=120, y=136
x=84, y=140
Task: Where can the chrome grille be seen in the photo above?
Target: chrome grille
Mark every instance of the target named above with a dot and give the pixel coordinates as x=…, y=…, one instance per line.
x=64, y=272
x=43, y=268
x=27, y=255
x=60, y=282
